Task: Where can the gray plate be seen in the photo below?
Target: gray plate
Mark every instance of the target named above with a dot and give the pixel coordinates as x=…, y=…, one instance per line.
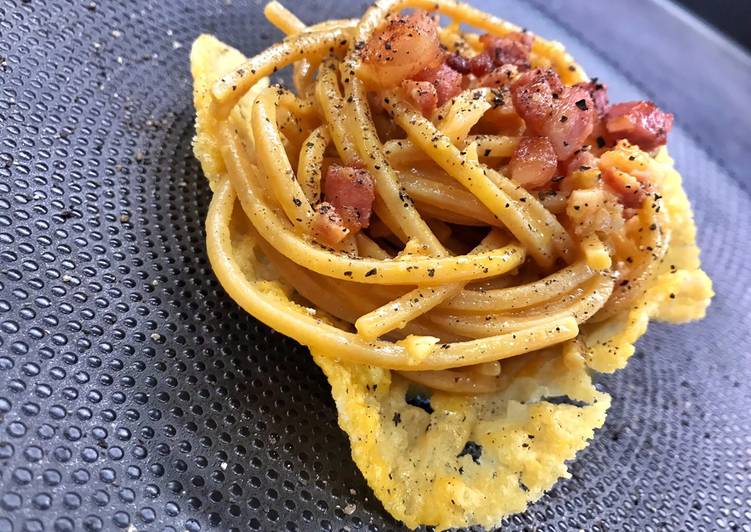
x=133, y=391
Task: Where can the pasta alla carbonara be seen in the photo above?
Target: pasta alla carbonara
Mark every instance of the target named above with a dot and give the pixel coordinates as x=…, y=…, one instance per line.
x=458, y=224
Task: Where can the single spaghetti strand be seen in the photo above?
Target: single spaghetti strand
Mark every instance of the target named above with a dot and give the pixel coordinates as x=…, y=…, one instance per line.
x=309, y=45
x=520, y=296
x=331, y=103
x=386, y=217
x=403, y=152
x=467, y=381
x=310, y=164
x=437, y=213
x=283, y=18
x=369, y=248
x=301, y=107
x=287, y=22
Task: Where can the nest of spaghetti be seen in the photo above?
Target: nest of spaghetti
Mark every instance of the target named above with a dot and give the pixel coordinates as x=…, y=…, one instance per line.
x=459, y=226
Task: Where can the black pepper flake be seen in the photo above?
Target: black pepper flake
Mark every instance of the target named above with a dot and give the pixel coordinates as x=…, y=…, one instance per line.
x=397, y=418
x=348, y=274
x=371, y=272
x=564, y=118
x=419, y=400
x=431, y=272
x=582, y=104
x=296, y=201
x=600, y=142
x=472, y=449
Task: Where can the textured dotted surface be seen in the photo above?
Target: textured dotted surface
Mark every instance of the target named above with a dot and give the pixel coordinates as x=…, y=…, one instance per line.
x=135, y=394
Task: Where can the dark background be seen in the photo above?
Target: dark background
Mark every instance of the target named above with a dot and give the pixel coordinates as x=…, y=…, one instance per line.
x=731, y=17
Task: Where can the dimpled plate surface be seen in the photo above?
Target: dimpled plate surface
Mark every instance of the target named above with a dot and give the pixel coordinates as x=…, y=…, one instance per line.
x=134, y=394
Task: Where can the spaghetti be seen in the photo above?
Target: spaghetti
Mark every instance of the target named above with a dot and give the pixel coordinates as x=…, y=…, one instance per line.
x=449, y=209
